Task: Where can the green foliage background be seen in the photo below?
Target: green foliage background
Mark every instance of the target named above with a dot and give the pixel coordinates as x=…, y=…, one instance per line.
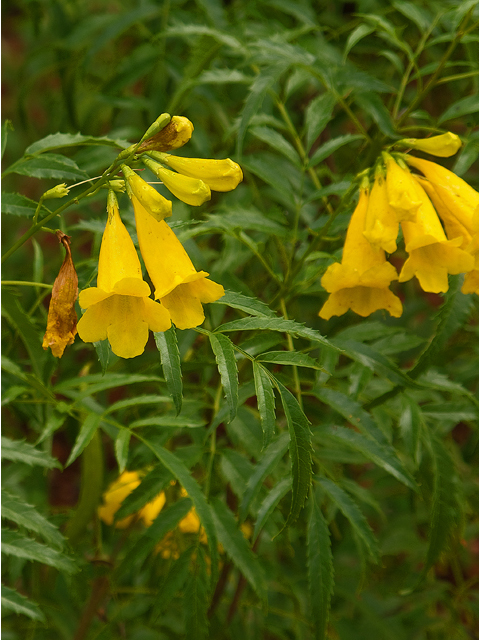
x=373, y=419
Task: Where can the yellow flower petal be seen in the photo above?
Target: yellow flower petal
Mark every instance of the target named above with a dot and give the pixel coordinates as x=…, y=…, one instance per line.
x=185, y=309
x=361, y=300
x=401, y=191
x=190, y=190
x=150, y=511
x=381, y=226
x=116, y=493
x=155, y=204
x=219, y=175
x=191, y=522
x=443, y=146
x=470, y=284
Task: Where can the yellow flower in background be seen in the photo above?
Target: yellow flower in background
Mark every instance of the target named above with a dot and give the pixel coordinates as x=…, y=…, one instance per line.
x=178, y=285
x=116, y=493
x=431, y=256
x=219, y=175
x=381, y=225
x=361, y=281
x=156, y=205
x=442, y=146
x=401, y=191
x=190, y=190
x=119, y=307
x=169, y=546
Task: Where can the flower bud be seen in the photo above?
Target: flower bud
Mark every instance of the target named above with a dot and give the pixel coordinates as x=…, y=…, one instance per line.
x=156, y=205
x=219, y=175
x=190, y=190
x=174, y=135
x=443, y=146
x=159, y=124
x=60, y=191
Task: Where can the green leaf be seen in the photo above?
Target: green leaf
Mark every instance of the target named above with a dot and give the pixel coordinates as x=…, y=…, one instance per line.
x=20, y=451
x=415, y=13
x=329, y=147
x=63, y=140
x=6, y=127
x=317, y=115
x=320, y=570
x=48, y=165
x=17, y=205
x=276, y=324
x=372, y=104
x=277, y=142
x=14, y=601
x=253, y=306
x=288, y=357
x=97, y=382
x=137, y=401
x=88, y=428
x=224, y=352
x=27, y=516
x=167, y=421
x=267, y=167
x=462, y=107
x=17, y=545
x=241, y=220
x=382, y=455
x=167, y=346
x=270, y=502
x=182, y=474
x=196, y=600
x=410, y=423
x=266, y=402
x=104, y=352
x=271, y=456
x=236, y=546
x=351, y=511
x=122, y=442
x=151, y=485
x=173, y=582
x=222, y=76
x=357, y=34
x=300, y=451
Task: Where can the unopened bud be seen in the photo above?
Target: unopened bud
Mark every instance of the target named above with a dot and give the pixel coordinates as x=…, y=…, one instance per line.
x=442, y=146
x=219, y=175
x=159, y=124
x=174, y=135
x=190, y=190
x=156, y=205
x=60, y=191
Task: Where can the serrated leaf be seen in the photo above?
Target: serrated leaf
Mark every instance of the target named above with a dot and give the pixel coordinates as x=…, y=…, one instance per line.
x=317, y=115
x=266, y=166
x=357, y=34
x=276, y=324
x=236, y=470
x=6, y=127
x=236, y=546
x=97, y=382
x=300, y=451
x=372, y=104
x=382, y=455
x=63, y=140
x=320, y=570
x=104, y=352
x=410, y=423
x=14, y=601
x=270, y=502
x=241, y=220
x=27, y=516
x=329, y=147
x=122, y=442
x=253, y=306
x=288, y=357
x=277, y=142
x=270, y=458
x=17, y=545
x=351, y=511
x=137, y=401
x=173, y=421
x=265, y=402
x=17, y=205
x=48, y=165
x=227, y=367
x=415, y=13
x=21, y=451
x=167, y=346
x=462, y=107
x=151, y=485
x=196, y=600
x=173, y=582
x=87, y=430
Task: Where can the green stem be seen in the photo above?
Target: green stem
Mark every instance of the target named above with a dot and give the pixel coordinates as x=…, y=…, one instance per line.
x=26, y=284
x=296, y=379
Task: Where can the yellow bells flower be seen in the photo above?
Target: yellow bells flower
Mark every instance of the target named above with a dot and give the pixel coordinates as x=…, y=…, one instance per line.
x=119, y=307
x=431, y=256
x=381, y=226
x=173, y=136
x=470, y=284
x=156, y=205
x=443, y=146
x=361, y=281
x=116, y=493
x=190, y=190
x=179, y=287
x=219, y=175
x=401, y=190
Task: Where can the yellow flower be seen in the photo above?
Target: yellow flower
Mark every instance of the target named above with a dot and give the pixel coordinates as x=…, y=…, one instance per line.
x=119, y=307
x=116, y=493
x=431, y=256
x=361, y=281
x=443, y=146
x=381, y=226
x=62, y=317
x=219, y=175
x=156, y=205
x=401, y=190
x=179, y=287
x=190, y=190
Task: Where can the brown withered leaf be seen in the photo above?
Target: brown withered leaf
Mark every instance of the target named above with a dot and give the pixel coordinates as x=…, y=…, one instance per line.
x=62, y=317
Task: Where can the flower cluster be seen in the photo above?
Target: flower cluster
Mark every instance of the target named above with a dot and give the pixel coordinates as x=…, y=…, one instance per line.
x=418, y=203
x=119, y=308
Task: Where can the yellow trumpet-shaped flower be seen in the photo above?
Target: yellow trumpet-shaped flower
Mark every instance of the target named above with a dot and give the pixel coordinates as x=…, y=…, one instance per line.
x=219, y=175
x=119, y=307
x=442, y=146
x=470, y=284
x=401, y=190
x=361, y=281
x=179, y=287
x=116, y=493
x=156, y=205
x=381, y=226
x=190, y=190
x=431, y=256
